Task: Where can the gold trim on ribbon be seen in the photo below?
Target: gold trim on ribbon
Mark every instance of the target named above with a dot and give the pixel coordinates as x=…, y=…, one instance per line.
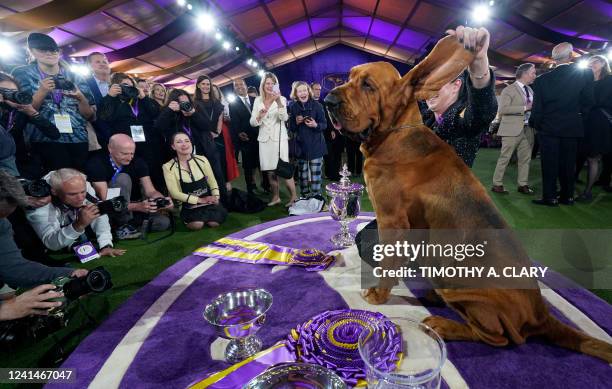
x=264, y=252
x=49, y=15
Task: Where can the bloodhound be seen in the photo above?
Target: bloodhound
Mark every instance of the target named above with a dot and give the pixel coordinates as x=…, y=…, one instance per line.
x=416, y=181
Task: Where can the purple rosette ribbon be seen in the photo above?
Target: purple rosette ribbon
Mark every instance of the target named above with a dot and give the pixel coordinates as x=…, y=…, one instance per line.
x=330, y=340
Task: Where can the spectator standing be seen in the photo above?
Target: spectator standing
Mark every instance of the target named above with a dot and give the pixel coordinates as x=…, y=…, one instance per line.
x=224, y=143
x=269, y=113
x=158, y=94
x=514, y=109
x=308, y=123
x=99, y=83
x=62, y=98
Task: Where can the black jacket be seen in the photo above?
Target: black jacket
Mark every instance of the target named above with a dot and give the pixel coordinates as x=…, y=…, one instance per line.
x=561, y=98
x=168, y=122
x=240, y=118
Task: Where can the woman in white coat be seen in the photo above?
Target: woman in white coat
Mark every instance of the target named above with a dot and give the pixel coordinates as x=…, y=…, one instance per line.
x=269, y=113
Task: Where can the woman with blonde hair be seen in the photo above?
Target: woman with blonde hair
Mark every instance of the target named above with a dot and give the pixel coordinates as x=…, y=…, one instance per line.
x=269, y=113
x=158, y=94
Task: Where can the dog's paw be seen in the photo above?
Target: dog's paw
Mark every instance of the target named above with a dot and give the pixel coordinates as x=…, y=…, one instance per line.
x=436, y=323
x=376, y=296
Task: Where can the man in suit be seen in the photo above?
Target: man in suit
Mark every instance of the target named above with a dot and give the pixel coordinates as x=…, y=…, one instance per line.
x=333, y=139
x=514, y=109
x=99, y=83
x=560, y=98
x=244, y=135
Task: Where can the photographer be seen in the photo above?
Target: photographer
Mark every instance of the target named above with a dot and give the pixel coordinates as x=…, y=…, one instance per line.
x=118, y=174
x=19, y=272
x=179, y=114
x=128, y=110
x=62, y=98
x=64, y=221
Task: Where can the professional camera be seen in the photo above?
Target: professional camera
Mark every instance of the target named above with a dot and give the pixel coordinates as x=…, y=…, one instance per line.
x=129, y=92
x=161, y=202
x=36, y=188
x=185, y=106
x=114, y=205
x=34, y=328
x=16, y=96
x=63, y=83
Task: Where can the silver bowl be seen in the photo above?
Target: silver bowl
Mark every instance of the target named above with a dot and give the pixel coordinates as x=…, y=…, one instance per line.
x=296, y=375
x=238, y=316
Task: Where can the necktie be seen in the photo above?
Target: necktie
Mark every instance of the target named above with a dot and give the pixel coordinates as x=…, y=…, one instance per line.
x=246, y=103
x=527, y=93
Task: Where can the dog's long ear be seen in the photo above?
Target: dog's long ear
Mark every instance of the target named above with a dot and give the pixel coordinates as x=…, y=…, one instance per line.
x=445, y=62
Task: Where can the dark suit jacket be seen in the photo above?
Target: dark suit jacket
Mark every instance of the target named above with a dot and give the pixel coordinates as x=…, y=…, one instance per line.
x=103, y=128
x=240, y=121
x=561, y=99
x=95, y=91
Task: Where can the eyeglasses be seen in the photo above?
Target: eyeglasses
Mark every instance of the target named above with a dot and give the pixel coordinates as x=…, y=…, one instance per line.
x=48, y=51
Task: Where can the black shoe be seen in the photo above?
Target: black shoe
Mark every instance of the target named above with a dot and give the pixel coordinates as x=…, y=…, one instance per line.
x=548, y=202
x=525, y=189
x=566, y=201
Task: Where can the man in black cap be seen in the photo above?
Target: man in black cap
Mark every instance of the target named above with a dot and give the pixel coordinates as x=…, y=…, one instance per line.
x=61, y=97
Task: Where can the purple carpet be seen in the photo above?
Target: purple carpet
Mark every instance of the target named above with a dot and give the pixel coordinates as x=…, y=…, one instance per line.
x=176, y=352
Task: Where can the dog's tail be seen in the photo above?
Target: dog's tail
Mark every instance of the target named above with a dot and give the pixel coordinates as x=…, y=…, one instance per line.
x=565, y=336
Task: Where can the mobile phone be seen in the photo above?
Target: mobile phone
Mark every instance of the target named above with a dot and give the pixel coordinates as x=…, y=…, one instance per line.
x=276, y=89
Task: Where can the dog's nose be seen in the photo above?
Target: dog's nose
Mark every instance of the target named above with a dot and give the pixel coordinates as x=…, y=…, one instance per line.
x=332, y=100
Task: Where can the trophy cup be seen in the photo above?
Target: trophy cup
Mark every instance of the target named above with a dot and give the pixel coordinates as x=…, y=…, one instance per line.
x=237, y=316
x=344, y=206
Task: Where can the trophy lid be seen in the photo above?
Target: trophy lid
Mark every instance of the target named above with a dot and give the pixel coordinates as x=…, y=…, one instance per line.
x=345, y=186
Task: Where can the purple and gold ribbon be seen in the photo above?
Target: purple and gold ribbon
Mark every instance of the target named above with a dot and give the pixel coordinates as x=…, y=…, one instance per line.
x=240, y=250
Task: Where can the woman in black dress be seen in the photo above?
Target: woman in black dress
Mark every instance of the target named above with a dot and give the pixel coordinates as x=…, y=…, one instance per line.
x=598, y=130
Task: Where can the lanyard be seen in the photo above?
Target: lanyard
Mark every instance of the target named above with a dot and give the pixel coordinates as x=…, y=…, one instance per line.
x=11, y=120
x=187, y=129
x=134, y=108
x=56, y=94
x=116, y=168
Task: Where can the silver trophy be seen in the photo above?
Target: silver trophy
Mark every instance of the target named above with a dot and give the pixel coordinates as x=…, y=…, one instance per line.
x=237, y=316
x=344, y=206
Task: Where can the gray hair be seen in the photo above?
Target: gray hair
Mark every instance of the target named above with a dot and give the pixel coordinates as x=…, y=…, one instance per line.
x=522, y=69
x=11, y=191
x=563, y=51
x=58, y=177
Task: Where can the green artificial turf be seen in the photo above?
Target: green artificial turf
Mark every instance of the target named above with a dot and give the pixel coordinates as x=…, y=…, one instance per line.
x=143, y=262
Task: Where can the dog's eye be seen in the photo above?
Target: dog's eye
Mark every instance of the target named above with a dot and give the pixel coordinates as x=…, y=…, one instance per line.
x=367, y=86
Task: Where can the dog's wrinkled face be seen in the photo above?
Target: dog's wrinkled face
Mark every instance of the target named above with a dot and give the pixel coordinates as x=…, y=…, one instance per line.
x=358, y=105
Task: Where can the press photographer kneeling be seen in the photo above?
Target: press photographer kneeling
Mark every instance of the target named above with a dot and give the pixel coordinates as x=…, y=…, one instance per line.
x=72, y=215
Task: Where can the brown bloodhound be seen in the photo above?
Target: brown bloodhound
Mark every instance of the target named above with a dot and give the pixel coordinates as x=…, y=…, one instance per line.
x=416, y=181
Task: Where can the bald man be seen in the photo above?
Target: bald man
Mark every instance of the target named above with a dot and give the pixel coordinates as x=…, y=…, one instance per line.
x=118, y=173
x=561, y=97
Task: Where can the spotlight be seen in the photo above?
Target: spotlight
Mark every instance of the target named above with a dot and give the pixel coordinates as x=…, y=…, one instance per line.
x=218, y=36
x=226, y=45
x=206, y=22
x=261, y=73
x=80, y=69
x=250, y=62
x=491, y=3
x=189, y=7
x=610, y=54
x=255, y=64
x=231, y=97
x=181, y=3
x=7, y=50
x=237, y=48
x=481, y=13
x=583, y=64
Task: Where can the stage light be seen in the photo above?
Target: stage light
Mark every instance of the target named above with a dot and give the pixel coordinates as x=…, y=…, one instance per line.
x=206, y=22
x=218, y=36
x=250, y=62
x=255, y=64
x=261, y=73
x=189, y=7
x=491, y=3
x=231, y=97
x=181, y=3
x=80, y=69
x=237, y=48
x=481, y=13
x=226, y=45
x=7, y=50
x=610, y=54
x=583, y=64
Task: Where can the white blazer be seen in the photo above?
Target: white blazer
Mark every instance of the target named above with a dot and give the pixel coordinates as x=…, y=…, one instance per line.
x=272, y=122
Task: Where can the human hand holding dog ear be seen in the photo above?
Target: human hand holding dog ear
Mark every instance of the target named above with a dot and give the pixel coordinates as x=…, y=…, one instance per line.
x=473, y=39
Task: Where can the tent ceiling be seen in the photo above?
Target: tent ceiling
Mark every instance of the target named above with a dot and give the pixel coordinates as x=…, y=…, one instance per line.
x=281, y=31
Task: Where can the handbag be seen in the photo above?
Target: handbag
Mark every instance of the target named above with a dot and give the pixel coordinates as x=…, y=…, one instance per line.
x=283, y=169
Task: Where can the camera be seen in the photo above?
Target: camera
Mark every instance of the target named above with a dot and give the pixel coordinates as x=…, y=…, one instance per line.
x=161, y=202
x=185, y=106
x=36, y=188
x=129, y=92
x=63, y=83
x=13, y=333
x=16, y=96
x=114, y=205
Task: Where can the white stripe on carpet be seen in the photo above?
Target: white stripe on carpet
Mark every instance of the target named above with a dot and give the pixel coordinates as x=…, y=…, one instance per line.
x=267, y=231
x=576, y=316
x=113, y=370
x=346, y=280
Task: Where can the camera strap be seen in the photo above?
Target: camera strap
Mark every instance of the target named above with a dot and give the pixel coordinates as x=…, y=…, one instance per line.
x=57, y=94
